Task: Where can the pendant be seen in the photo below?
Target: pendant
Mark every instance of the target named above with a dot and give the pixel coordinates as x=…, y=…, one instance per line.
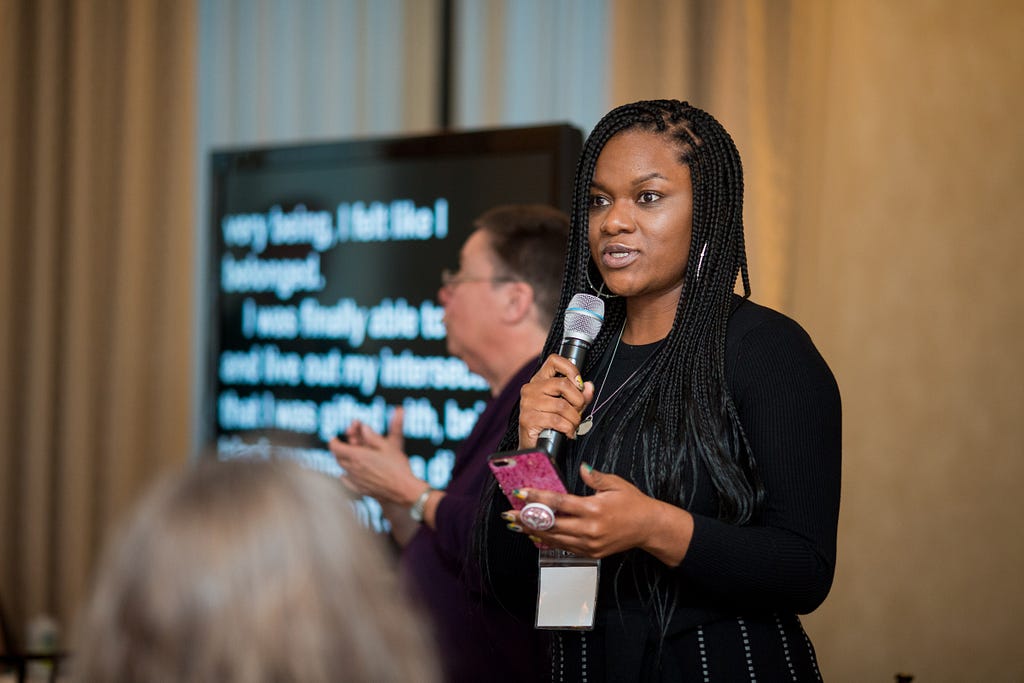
x=585, y=426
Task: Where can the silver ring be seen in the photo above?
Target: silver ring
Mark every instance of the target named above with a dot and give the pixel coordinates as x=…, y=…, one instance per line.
x=537, y=516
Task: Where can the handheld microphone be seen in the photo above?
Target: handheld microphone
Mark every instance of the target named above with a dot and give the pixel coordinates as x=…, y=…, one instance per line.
x=583, y=320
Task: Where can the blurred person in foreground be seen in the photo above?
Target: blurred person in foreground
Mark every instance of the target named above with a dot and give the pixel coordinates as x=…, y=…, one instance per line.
x=498, y=308
x=249, y=571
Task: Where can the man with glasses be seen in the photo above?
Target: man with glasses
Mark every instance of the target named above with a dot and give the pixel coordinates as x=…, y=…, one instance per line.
x=498, y=309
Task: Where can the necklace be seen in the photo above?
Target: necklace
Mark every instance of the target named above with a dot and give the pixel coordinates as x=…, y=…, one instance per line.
x=588, y=421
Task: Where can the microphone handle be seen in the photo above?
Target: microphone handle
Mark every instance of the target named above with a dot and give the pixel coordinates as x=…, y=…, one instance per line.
x=575, y=350
x=550, y=442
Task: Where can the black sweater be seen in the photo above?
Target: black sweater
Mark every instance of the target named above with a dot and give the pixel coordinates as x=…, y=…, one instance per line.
x=783, y=562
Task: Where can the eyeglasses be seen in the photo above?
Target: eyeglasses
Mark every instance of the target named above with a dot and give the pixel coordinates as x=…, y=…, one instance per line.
x=450, y=279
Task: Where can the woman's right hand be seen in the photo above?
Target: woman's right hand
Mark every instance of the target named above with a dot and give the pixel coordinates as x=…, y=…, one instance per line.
x=553, y=399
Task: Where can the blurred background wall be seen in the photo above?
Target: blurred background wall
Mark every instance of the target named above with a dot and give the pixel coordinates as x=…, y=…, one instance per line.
x=882, y=152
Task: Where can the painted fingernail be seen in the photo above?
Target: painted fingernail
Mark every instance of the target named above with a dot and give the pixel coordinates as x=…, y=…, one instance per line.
x=579, y=382
x=535, y=539
x=519, y=493
x=515, y=527
x=508, y=516
x=588, y=467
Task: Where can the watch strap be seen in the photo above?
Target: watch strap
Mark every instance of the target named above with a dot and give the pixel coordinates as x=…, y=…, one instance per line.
x=416, y=511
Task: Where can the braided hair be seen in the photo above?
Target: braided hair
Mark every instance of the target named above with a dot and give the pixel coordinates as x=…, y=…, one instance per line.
x=688, y=422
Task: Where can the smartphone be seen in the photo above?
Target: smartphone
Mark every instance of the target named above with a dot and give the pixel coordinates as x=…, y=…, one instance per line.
x=530, y=468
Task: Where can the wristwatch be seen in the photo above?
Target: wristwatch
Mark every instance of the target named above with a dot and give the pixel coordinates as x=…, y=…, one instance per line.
x=416, y=511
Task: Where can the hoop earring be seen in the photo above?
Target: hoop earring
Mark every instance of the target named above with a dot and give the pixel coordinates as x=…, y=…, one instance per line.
x=599, y=292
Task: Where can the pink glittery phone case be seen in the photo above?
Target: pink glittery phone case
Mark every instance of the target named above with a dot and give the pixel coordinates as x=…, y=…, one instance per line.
x=525, y=469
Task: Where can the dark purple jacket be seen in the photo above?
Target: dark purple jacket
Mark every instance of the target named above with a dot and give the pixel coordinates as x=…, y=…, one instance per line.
x=477, y=641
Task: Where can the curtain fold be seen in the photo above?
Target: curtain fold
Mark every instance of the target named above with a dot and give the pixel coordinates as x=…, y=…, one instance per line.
x=741, y=60
x=276, y=71
x=97, y=101
x=530, y=62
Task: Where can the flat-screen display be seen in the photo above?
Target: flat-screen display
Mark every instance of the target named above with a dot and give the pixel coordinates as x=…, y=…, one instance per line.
x=325, y=263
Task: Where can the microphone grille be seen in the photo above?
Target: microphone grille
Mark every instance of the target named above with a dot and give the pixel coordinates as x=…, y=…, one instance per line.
x=584, y=317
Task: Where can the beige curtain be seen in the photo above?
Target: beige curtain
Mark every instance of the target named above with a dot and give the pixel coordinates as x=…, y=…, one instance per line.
x=528, y=62
x=883, y=157
x=283, y=71
x=96, y=260
x=740, y=61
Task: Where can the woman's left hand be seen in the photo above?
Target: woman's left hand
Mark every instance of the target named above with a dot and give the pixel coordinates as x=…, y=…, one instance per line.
x=617, y=517
x=376, y=465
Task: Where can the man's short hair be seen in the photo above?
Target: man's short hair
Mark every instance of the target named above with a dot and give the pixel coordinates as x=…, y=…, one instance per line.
x=529, y=241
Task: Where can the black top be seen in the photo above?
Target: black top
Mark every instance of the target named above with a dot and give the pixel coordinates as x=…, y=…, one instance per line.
x=754, y=577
